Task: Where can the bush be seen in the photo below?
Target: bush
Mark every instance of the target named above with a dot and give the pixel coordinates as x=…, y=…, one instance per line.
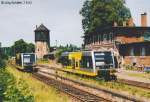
x=3, y=57
x=9, y=91
x=2, y=63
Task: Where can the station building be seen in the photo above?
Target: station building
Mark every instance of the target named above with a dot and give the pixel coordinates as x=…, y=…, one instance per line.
x=131, y=44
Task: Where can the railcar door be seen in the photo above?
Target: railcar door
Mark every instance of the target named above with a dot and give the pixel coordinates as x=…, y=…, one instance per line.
x=73, y=63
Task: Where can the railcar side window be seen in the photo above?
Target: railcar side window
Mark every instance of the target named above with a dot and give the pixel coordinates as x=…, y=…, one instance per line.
x=76, y=64
x=66, y=61
x=103, y=57
x=86, y=62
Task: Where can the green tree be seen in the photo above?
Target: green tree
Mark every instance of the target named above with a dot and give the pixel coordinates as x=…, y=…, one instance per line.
x=67, y=48
x=3, y=57
x=21, y=46
x=99, y=14
x=30, y=48
x=2, y=63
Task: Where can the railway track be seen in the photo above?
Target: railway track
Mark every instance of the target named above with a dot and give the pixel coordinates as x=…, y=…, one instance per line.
x=81, y=95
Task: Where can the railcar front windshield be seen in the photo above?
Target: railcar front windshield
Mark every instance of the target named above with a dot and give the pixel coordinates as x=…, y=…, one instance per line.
x=103, y=58
x=26, y=59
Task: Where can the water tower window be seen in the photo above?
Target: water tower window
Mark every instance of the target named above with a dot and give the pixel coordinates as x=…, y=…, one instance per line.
x=42, y=33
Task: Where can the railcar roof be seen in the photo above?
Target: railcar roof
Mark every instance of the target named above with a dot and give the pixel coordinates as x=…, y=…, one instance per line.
x=65, y=54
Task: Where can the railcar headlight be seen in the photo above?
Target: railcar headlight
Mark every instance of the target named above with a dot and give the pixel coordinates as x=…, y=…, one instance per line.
x=97, y=68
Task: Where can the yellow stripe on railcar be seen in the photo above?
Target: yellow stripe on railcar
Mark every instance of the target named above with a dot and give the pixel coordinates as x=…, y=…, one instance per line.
x=81, y=72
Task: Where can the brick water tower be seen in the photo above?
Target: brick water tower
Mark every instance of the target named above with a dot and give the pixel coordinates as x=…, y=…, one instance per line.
x=42, y=41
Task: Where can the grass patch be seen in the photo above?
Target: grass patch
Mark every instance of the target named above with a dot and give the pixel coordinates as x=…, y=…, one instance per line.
x=143, y=75
x=40, y=91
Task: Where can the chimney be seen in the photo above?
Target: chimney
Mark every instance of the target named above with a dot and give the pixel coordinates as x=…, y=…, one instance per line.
x=124, y=23
x=144, y=19
x=130, y=22
x=115, y=24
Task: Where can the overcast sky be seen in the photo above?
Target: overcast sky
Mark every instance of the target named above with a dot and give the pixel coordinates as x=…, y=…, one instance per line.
x=60, y=16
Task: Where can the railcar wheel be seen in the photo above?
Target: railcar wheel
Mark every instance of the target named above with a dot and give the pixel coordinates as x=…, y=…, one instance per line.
x=114, y=77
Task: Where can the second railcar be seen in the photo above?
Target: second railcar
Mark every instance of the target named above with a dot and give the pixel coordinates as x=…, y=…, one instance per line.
x=91, y=63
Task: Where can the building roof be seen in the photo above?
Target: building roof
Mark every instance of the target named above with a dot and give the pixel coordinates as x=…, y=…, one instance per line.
x=41, y=28
x=119, y=30
x=130, y=30
x=136, y=43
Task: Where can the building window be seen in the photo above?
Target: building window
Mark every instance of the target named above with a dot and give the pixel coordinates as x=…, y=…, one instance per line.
x=91, y=39
x=85, y=41
x=142, y=51
x=99, y=38
x=111, y=37
x=132, y=52
x=108, y=37
x=96, y=38
x=147, y=51
x=146, y=36
x=105, y=37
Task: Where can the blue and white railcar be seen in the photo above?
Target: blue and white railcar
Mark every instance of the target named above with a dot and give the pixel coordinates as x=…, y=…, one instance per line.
x=26, y=59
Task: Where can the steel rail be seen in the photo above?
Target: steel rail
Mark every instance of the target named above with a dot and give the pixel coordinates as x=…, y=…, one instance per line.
x=124, y=81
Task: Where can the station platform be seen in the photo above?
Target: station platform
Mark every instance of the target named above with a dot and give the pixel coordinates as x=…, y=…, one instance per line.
x=133, y=75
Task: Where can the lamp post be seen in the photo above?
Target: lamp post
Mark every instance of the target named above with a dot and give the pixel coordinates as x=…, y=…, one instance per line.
x=56, y=43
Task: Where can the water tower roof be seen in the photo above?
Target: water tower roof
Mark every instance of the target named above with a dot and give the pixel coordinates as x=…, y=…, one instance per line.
x=41, y=28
